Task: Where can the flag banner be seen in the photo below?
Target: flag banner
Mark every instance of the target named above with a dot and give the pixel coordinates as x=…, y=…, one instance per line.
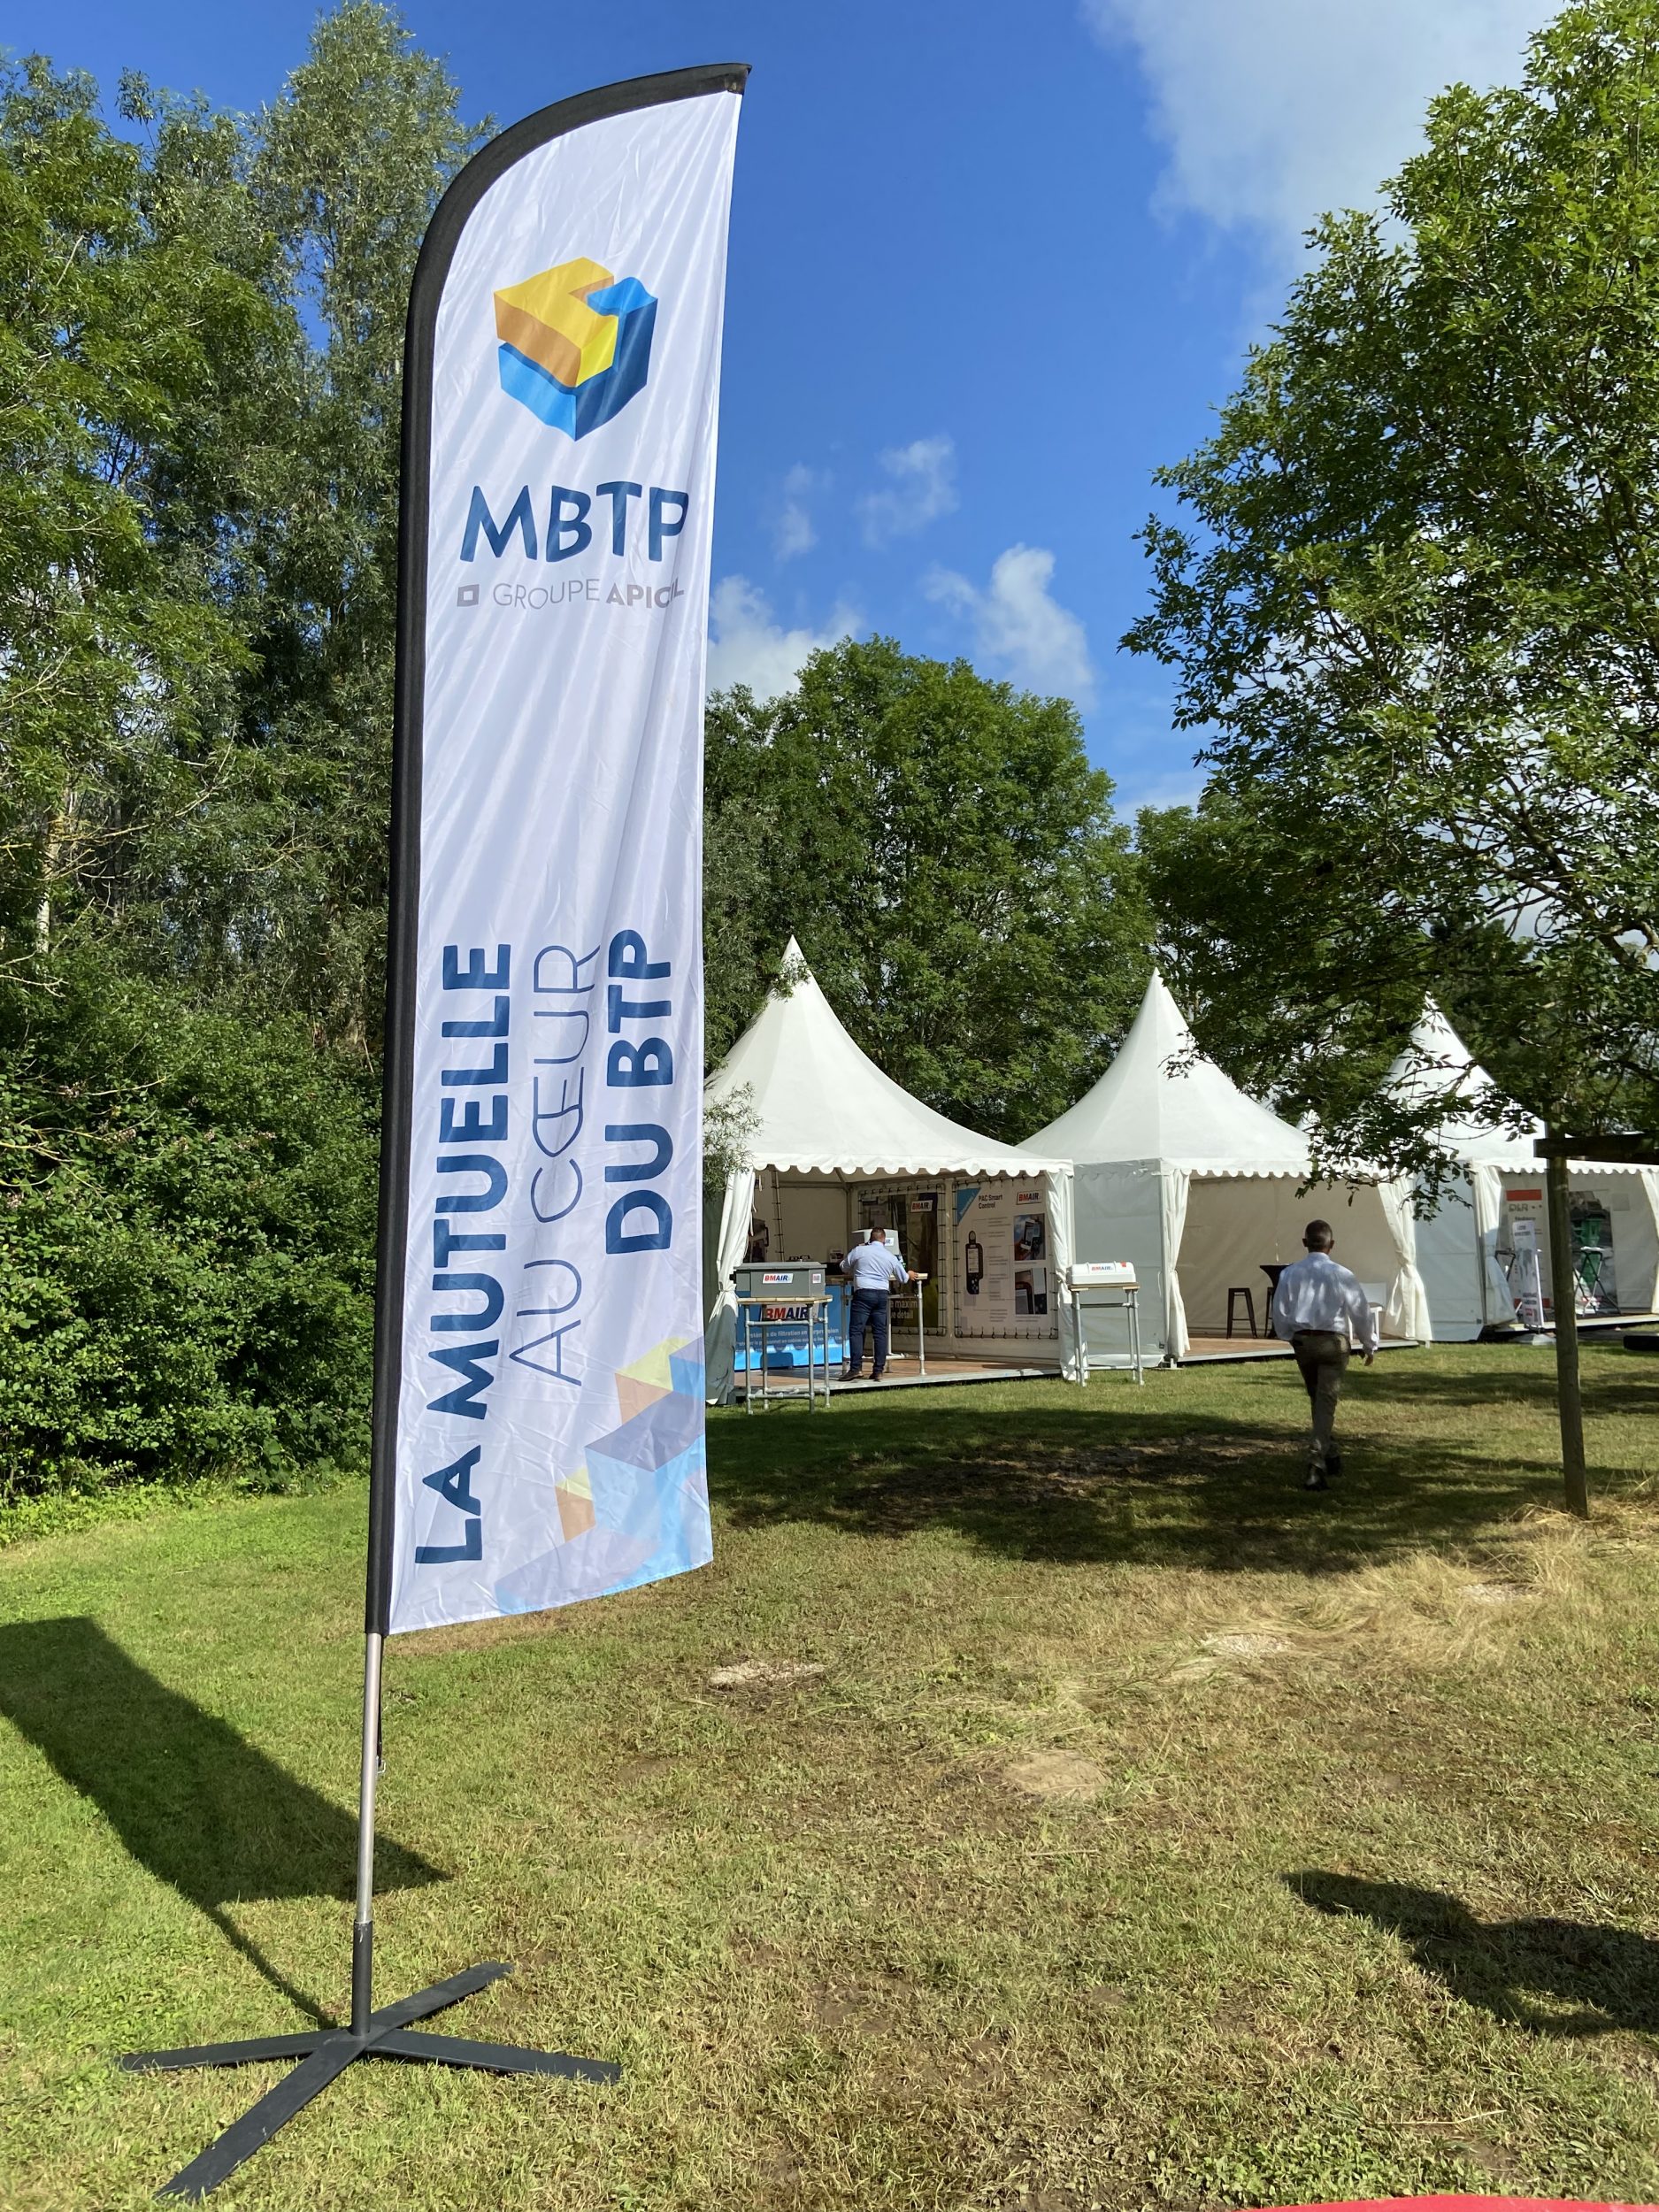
x=539, y=1358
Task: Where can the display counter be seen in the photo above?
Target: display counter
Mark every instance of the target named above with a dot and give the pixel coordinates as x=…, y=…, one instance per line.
x=786, y=1327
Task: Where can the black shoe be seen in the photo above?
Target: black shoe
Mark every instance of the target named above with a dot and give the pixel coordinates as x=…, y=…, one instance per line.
x=1333, y=1464
x=1316, y=1480
x=876, y=1373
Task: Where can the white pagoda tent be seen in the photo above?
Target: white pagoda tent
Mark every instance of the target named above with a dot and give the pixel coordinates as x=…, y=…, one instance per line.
x=1200, y=1185
x=833, y=1146
x=1464, y=1246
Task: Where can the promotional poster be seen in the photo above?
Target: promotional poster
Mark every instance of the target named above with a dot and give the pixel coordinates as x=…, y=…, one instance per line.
x=1002, y=1257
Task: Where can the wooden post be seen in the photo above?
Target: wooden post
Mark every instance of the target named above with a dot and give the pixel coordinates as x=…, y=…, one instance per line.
x=1564, y=1293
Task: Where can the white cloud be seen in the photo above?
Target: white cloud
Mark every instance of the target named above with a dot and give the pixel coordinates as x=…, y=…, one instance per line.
x=924, y=487
x=746, y=647
x=1276, y=110
x=1017, y=624
x=792, y=530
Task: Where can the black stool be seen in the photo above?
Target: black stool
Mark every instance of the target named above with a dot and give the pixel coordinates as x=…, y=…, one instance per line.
x=1249, y=1308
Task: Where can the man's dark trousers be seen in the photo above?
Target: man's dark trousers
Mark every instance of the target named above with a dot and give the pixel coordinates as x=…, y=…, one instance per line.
x=870, y=1310
x=1321, y=1355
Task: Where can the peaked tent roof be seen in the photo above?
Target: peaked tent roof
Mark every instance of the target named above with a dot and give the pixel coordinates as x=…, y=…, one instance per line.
x=825, y=1108
x=1192, y=1116
x=1438, y=1063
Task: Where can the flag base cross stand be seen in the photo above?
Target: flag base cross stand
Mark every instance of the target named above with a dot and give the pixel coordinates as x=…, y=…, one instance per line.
x=325, y=2053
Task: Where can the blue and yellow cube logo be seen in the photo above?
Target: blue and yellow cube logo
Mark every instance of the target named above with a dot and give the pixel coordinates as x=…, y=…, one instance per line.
x=575, y=344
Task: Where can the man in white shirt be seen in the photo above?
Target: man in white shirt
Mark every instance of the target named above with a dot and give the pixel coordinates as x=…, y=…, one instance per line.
x=1317, y=1307
x=873, y=1270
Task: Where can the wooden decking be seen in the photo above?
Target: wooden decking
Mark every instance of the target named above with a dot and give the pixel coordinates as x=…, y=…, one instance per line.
x=786, y=1383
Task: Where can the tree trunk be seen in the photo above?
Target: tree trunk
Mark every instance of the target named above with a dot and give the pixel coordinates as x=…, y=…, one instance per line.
x=1564, y=1293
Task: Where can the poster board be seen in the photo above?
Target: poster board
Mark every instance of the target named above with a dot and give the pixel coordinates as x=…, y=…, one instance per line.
x=1003, y=1262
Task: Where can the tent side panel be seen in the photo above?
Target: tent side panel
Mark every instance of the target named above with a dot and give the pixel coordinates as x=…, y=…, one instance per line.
x=1118, y=1213
x=1057, y=1189
x=1453, y=1264
x=731, y=1241
x=1630, y=1196
x=1486, y=1182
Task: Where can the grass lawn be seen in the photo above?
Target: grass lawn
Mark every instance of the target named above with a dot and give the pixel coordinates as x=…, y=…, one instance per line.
x=1106, y=1821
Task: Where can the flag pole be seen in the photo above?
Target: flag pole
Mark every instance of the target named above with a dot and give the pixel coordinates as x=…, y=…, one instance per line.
x=386, y=2032
x=363, y=1925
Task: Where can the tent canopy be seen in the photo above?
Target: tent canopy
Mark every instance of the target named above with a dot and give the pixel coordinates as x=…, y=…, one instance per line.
x=1459, y=1243
x=1164, y=1132
x=1438, y=1064
x=822, y=1107
x=1191, y=1116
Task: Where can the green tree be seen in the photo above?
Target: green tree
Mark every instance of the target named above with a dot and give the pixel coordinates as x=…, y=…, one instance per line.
x=187, y=1239
x=131, y=300
x=283, y=879
x=948, y=860
x=201, y=329
x=1415, y=612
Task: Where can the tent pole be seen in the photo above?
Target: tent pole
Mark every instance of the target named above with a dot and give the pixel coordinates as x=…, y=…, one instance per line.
x=947, y=1261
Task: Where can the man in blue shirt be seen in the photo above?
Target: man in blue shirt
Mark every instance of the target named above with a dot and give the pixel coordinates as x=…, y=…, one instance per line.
x=873, y=1270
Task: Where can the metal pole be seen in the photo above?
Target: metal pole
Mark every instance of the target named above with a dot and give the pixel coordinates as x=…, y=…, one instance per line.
x=947, y=1241
x=363, y=1928
x=1564, y=1293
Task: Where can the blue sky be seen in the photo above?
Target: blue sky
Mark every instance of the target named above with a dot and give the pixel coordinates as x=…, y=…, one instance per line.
x=990, y=266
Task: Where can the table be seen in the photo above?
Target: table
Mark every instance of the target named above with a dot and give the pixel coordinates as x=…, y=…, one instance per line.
x=1125, y=1298
x=817, y=1311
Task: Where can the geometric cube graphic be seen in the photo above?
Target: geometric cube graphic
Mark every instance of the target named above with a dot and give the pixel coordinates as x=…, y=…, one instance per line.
x=624, y=1516
x=575, y=343
x=672, y=1365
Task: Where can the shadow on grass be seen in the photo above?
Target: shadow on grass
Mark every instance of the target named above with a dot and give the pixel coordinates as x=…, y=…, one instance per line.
x=1611, y=1976
x=191, y=1798
x=1150, y=1477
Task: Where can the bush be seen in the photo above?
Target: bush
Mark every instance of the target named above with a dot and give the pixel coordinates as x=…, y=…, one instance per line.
x=187, y=1226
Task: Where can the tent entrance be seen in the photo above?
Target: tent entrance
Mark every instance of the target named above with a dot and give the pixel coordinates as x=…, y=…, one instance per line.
x=1614, y=1226
x=1238, y=1226
x=986, y=1246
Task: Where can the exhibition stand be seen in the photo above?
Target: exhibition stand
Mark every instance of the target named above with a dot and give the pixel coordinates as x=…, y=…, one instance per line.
x=833, y=1148
x=796, y=1300
x=1486, y=1250
x=1202, y=1191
